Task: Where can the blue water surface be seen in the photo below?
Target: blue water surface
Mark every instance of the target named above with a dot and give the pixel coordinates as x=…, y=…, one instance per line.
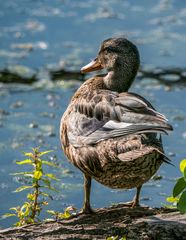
x=45, y=34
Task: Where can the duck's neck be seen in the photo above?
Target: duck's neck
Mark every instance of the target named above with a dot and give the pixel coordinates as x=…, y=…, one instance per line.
x=118, y=81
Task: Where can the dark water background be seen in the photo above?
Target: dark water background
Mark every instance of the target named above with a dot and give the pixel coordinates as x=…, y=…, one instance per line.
x=36, y=35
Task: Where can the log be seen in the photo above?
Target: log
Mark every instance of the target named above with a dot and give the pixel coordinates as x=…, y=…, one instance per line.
x=140, y=223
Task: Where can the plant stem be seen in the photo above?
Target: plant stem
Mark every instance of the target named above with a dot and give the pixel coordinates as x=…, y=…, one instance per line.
x=36, y=186
x=36, y=192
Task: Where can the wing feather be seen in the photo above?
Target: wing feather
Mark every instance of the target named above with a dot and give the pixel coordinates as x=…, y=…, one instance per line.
x=106, y=114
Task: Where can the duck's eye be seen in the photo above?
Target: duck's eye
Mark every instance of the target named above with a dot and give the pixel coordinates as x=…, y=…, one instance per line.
x=109, y=49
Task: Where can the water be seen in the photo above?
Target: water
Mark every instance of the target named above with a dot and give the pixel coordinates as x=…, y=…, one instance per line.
x=40, y=34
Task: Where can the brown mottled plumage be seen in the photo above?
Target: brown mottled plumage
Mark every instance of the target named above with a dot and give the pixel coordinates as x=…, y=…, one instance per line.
x=109, y=133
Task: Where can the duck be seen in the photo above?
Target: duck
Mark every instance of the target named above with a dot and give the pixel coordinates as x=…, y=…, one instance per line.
x=110, y=134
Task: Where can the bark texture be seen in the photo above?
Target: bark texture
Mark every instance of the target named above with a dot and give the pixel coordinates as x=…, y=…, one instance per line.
x=140, y=223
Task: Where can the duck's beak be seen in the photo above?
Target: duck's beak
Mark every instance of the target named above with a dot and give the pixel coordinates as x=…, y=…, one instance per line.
x=92, y=66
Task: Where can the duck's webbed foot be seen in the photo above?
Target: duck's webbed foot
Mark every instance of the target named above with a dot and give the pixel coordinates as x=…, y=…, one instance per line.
x=135, y=202
x=87, y=210
x=131, y=204
x=87, y=187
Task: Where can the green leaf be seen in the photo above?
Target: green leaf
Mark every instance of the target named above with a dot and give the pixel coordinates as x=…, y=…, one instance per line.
x=52, y=212
x=51, y=176
x=112, y=238
x=169, y=206
x=38, y=175
x=25, y=209
x=22, y=188
x=30, y=196
x=184, y=174
x=6, y=215
x=49, y=163
x=18, y=224
x=14, y=208
x=26, y=161
x=27, y=174
x=44, y=194
x=51, y=188
x=66, y=214
x=172, y=199
x=30, y=220
x=123, y=238
x=182, y=203
x=29, y=154
x=43, y=153
x=39, y=165
x=182, y=165
x=179, y=186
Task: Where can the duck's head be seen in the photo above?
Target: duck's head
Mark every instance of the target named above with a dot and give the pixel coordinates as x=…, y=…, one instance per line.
x=120, y=58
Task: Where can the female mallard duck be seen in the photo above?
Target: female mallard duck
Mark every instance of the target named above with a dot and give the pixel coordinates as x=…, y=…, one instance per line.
x=109, y=133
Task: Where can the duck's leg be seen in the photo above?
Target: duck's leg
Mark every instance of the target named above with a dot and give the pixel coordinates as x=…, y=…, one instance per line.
x=87, y=188
x=135, y=201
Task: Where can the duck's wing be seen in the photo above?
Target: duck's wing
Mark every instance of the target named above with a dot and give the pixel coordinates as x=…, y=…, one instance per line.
x=104, y=114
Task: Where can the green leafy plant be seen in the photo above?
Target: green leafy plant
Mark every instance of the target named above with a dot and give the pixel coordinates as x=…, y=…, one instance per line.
x=116, y=238
x=58, y=215
x=40, y=181
x=178, y=197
